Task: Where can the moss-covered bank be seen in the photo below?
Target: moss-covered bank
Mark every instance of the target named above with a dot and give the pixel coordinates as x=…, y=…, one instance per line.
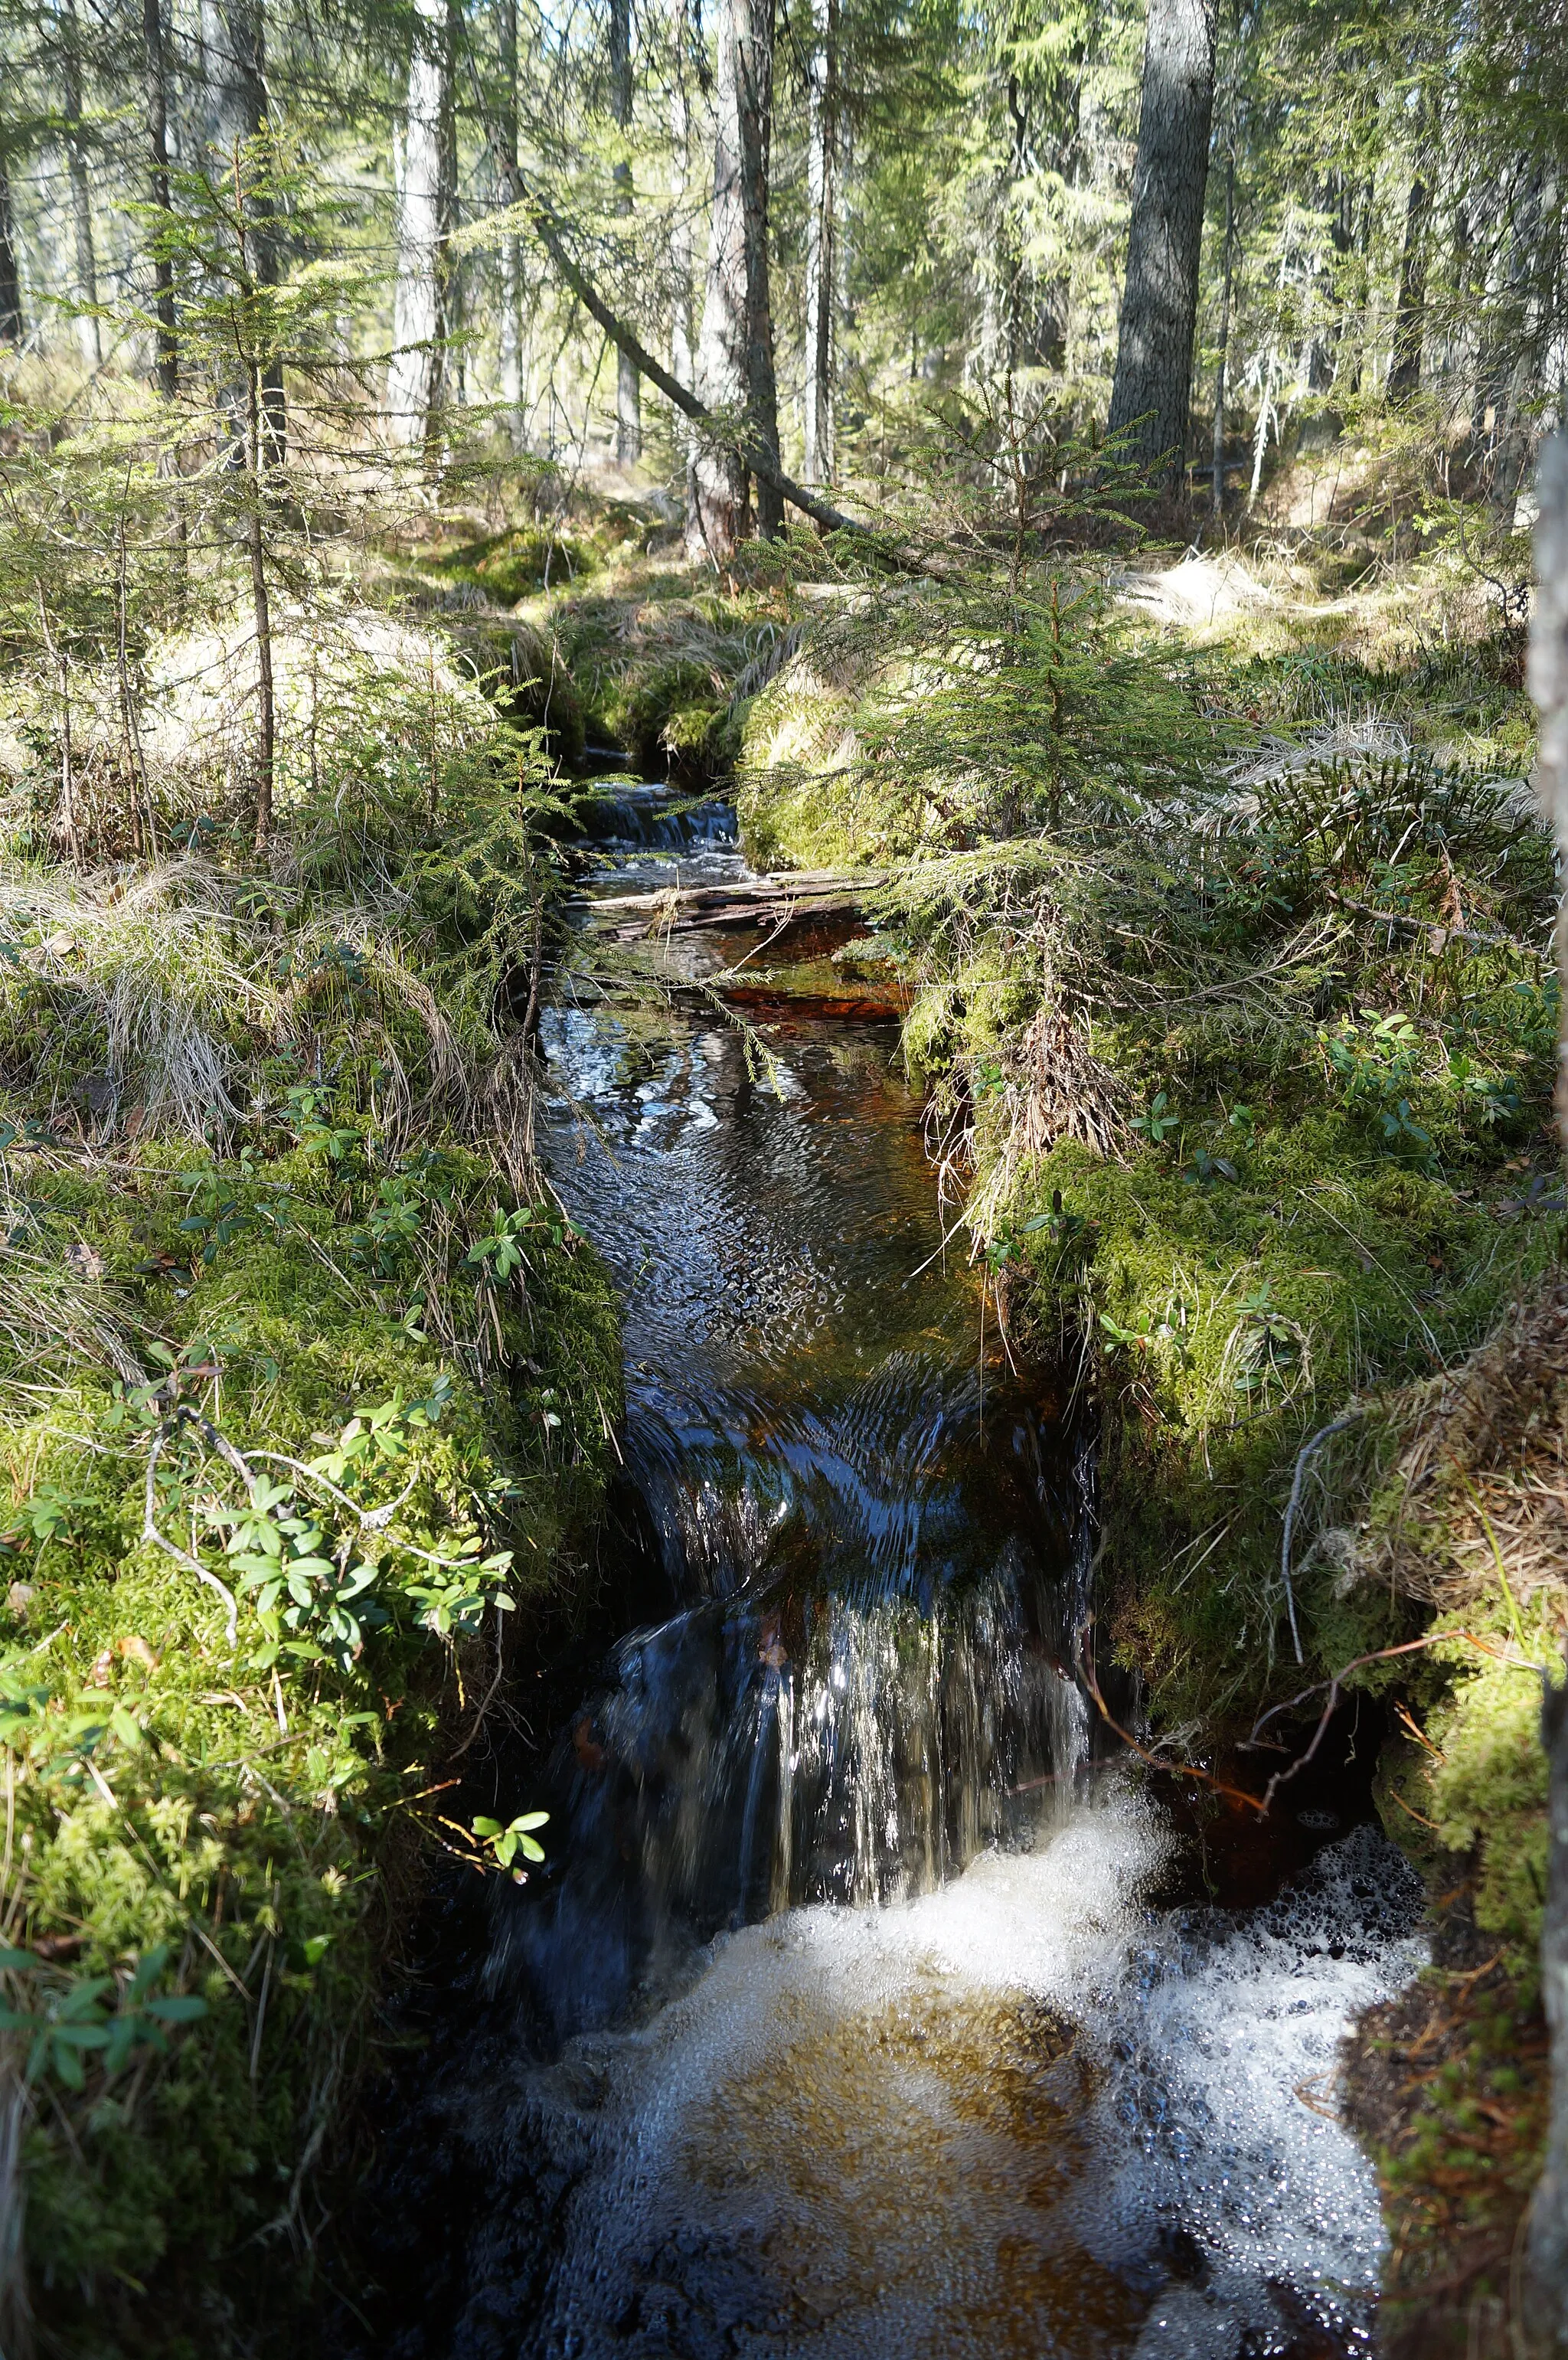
x=1243, y=1048
x=305, y=1389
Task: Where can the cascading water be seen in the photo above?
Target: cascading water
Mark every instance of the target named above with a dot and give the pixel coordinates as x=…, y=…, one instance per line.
x=844, y=2019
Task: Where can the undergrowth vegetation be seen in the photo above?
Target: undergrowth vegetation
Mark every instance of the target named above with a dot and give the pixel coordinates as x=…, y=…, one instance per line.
x=305, y=1388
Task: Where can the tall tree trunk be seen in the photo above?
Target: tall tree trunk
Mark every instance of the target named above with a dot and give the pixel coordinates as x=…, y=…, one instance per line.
x=415, y=378
x=13, y=325
x=682, y=354
x=1546, y=2271
x=1410, y=316
x=1151, y=395
x=504, y=133
x=157, y=103
x=628, y=388
x=81, y=187
x=734, y=355
x=822, y=224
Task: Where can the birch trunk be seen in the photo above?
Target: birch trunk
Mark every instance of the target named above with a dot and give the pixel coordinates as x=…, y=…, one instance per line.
x=415, y=378
x=628, y=390
x=1151, y=398
x=1546, y=2278
x=821, y=226
x=734, y=355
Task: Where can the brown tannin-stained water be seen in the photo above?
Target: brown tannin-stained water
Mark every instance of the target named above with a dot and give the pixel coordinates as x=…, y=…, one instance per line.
x=847, y=2017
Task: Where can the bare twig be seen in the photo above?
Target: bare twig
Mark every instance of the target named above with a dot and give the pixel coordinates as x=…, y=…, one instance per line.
x=193, y=1565
x=1336, y=1426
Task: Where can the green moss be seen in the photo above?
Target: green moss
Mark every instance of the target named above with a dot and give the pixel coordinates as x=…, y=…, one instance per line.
x=663, y=667
x=1489, y=1798
x=239, y=1806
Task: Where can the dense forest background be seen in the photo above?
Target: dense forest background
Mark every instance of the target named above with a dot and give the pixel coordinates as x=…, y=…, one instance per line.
x=894, y=203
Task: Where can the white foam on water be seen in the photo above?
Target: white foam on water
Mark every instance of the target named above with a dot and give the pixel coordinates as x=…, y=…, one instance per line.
x=1233, y=2043
x=1019, y=2115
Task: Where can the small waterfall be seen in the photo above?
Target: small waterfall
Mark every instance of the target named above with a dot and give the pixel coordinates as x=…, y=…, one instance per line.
x=750, y=1757
x=874, y=1553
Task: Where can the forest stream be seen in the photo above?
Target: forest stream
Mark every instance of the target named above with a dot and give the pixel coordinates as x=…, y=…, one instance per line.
x=866, y=2004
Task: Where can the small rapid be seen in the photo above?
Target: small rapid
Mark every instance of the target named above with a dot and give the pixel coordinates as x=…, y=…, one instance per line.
x=867, y=2004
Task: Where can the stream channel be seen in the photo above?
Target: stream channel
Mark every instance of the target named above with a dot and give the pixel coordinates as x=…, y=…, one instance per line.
x=867, y=2006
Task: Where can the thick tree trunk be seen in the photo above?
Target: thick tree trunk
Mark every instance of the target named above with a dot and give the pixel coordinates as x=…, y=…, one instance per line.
x=415, y=377
x=80, y=185
x=734, y=355
x=628, y=388
x=505, y=135
x=13, y=325
x=1546, y=2278
x=157, y=103
x=822, y=224
x=234, y=42
x=1150, y=398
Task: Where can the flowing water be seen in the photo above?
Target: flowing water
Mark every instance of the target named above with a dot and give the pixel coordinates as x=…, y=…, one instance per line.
x=864, y=2007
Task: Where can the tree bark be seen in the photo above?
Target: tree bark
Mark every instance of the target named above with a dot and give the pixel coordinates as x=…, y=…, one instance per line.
x=1151, y=395
x=682, y=352
x=81, y=187
x=233, y=43
x=157, y=103
x=1546, y=2274
x=506, y=134
x=13, y=325
x=822, y=224
x=628, y=390
x=735, y=355
x=415, y=379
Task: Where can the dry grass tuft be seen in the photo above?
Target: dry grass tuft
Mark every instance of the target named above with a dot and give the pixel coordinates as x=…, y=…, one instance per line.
x=1058, y=1089
x=1481, y=1488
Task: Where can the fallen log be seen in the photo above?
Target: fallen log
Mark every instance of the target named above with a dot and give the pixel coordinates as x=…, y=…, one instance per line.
x=751, y=901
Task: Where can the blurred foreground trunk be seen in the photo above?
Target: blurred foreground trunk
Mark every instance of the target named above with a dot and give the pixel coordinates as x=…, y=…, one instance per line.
x=1546, y=2288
